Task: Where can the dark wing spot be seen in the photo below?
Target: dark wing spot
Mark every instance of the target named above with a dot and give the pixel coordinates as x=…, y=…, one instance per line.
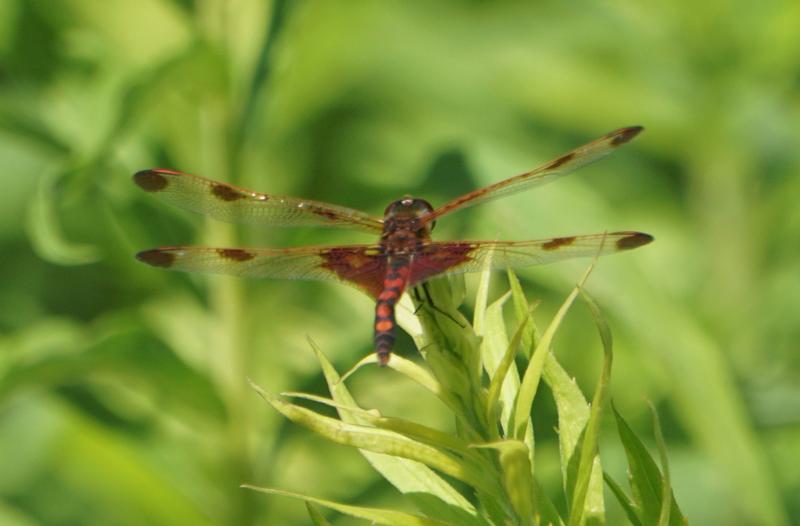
x=558, y=242
x=635, y=239
x=150, y=180
x=235, y=254
x=156, y=257
x=562, y=160
x=226, y=193
x=327, y=214
x=624, y=135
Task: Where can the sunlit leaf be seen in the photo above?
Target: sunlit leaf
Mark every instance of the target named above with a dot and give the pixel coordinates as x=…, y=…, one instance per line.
x=376, y=515
x=423, y=486
x=530, y=380
x=517, y=478
x=587, y=504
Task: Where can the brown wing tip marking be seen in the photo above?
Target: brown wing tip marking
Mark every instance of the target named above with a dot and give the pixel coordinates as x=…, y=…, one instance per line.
x=235, y=254
x=633, y=240
x=156, y=257
x=623, y=135
x=226, y=193
x=558, y=242
x=562, y=160
x=150, y=180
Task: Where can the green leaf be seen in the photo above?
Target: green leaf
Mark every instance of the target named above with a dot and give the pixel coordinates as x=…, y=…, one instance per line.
x=630, y=508
x=530, y=336
x=533, y=373
x=421, y=376
x=497, y=379
x=587, y=497
x=407, y=428
x=646, y=480
x=452, y=350
x=548, y=514
x=482, y=295
x=316, y=516
x=666, y=489
x=423, y=486
x=573, y=413
x=517, y=478
x=376, y=515
x=495, y=356
x=670, y=513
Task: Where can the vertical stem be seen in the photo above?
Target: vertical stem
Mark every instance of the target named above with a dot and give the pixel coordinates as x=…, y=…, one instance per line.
x=225, y=125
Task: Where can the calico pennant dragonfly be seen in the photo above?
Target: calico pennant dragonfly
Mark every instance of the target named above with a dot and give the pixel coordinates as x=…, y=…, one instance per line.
x=404, y=256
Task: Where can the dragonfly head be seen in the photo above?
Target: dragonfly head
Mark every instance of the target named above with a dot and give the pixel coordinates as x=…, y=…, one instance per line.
x=408, y=208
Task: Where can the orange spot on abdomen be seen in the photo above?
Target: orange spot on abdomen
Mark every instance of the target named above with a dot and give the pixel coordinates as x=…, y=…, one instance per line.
x=384, y=325
x=387, y=295
x=396, y=283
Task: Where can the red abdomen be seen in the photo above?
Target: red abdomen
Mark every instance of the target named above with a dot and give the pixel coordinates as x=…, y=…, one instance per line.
x=393, y=286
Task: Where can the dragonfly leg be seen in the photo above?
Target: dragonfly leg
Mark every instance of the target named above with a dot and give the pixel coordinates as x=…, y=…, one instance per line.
x=429, y=301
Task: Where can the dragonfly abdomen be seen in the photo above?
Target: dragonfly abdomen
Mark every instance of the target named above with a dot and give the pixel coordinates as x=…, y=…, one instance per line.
x=393, y=286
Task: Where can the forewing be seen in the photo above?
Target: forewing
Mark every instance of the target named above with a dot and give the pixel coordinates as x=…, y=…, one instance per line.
x=362, y=266
x=438, y=258
x=563, y=165
x=230, y=203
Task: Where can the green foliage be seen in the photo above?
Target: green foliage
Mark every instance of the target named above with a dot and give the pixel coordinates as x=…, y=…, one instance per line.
x=652, y=501
x=123, y=392
x=490, y=454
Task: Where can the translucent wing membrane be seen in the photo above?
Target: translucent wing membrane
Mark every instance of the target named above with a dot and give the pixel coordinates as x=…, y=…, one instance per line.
x=544, y=174
x=362, y=266
x=230, y=203
x=438, y=258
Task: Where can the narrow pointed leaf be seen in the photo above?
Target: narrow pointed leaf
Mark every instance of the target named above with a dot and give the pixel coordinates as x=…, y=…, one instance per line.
x=482, y=295
x=431, y=493
x=587, y=496
x=316, y=516
x=497, y=380
x=530, y=380
x=407, y=428
x=666, y=489
x=494, y=348
x=530, y=335
x=630, y=508
x=377, y=441
x=517, y=478
x=376, y=515
x=645, y=477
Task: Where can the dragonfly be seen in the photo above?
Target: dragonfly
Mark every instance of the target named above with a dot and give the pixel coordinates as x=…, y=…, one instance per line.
x=403, y=257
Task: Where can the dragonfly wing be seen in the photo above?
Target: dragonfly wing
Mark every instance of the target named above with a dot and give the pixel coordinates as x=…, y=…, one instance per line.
x=363, y=266
x=561, y=166
x=438, y=258
x=230, y=203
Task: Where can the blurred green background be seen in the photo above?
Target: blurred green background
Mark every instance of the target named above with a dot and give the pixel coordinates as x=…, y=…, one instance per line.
x=123, y=397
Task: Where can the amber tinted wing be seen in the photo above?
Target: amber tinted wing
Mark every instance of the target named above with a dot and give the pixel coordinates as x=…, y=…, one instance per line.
x=230, y=203
x=437, y=258
x=362, y=266
x=563, y=165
